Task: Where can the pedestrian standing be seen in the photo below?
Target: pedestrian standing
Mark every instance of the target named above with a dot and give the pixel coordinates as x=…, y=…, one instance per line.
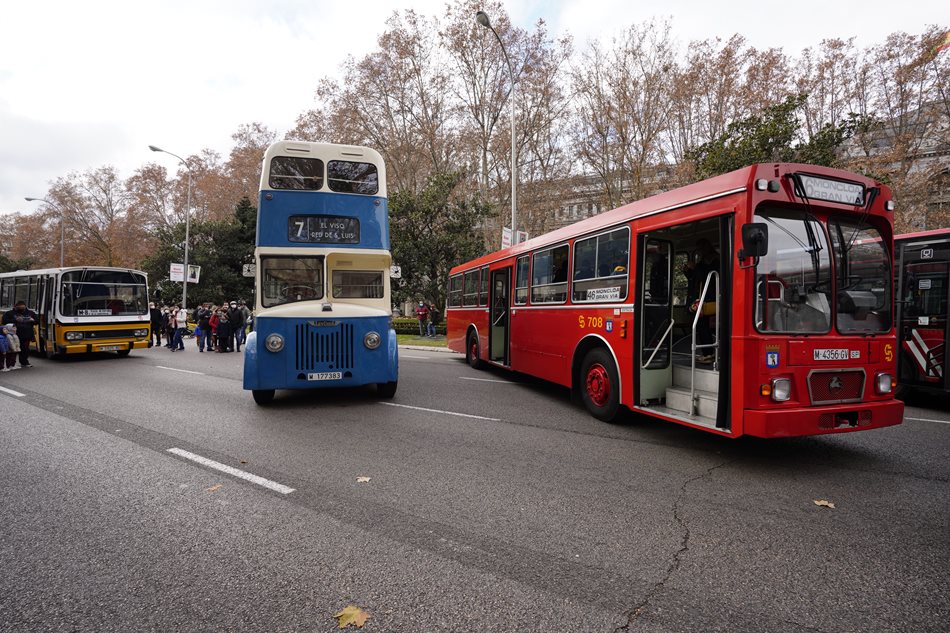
x=213, y=322
x=4, y=350
x=224, y=332
x=23, y=321
x=422, y=313
x=434, y=319
x=12, y=342
x=155, y=321
x=204, y=326
x=236, y=319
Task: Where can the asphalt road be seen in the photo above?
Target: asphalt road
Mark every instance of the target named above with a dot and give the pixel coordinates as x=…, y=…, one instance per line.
x=493, y=504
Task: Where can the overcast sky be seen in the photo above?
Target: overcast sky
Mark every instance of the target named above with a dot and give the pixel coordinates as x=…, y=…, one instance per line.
x=86, y=83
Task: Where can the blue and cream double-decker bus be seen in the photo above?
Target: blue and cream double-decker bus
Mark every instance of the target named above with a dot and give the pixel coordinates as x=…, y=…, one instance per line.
x=323, y=305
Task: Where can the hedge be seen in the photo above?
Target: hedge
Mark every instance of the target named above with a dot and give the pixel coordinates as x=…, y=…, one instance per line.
x=410, y=325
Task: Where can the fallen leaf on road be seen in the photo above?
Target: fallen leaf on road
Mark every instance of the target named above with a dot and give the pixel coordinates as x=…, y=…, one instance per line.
x=362, y=480
x=214, y=488
x=352, y=615
x=824, y=503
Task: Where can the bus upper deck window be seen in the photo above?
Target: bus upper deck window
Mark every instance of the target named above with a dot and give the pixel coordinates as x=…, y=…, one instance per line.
x=345, y=176
x=291, y=172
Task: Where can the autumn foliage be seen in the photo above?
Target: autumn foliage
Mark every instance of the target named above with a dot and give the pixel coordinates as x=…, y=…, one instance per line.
x=632, y=116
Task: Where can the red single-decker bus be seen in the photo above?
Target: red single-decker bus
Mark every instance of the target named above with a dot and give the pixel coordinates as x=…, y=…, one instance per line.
x=759, y=302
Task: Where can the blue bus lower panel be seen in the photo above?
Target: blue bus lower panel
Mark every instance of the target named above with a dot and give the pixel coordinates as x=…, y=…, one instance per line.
x=320, y=353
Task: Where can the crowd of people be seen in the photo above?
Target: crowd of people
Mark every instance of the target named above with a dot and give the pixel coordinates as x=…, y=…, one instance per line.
x=218, y=328
x=15, y=337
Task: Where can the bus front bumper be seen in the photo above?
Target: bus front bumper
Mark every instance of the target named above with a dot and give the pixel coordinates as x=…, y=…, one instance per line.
x=104, y=346
x=859, y=416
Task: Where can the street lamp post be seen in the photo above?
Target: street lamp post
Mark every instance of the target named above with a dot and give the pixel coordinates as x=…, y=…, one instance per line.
x=482, y=18
x=62, y=227
x=184, y=284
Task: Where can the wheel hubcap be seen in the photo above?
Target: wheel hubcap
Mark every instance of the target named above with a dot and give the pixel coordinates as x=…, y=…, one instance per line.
x=598, y=384
x=473, y=350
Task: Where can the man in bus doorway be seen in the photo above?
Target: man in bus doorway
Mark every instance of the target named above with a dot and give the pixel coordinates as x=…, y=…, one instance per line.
x=23, y=320
x=704, y=261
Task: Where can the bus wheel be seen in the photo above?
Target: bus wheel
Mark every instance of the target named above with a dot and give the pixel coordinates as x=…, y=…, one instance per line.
x=599, y=385
x=386, y=389
x=123, y=352
x=471, y=354
x=263, y=396
x=48, y=349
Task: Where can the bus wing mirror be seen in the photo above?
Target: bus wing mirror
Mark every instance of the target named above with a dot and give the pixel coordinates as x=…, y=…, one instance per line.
x=755, y=240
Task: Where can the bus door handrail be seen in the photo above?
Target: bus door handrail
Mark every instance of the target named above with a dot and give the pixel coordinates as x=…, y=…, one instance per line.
x=656, y=349
x=699, y=312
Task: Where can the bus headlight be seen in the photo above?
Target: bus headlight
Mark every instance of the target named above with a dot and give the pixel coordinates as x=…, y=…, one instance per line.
x=73, y=336
x=140, y=333
x=781, y=389
x=372, y=340
x=274, y=342
x=883, y=383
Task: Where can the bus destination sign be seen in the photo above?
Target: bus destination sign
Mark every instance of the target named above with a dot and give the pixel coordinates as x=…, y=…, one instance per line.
x=833, y=190
x=323, y=229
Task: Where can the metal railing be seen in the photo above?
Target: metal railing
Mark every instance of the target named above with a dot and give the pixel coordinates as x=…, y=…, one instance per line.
x=659, y=345
x=693, y=400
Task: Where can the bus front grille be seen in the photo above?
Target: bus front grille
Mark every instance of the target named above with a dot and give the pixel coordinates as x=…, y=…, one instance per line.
x=834, y=386
x=322, y=348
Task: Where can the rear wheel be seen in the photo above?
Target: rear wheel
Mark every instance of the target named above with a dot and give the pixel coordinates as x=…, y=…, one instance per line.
x=471, y=352
x=386, y=389
x=263, y=396
x=599, y=385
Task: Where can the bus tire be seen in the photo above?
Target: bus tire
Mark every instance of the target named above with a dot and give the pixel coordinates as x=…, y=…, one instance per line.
x=386, y=389
x=123, y=352
x=263, y=396
x=471, y=352
x=599, y=385
x=48, y=349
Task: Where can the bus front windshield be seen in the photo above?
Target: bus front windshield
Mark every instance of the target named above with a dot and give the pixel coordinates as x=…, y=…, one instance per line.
x=794, y=289
x=793, y=281
x=104, y=293
x=286, y=279
x=863, y=276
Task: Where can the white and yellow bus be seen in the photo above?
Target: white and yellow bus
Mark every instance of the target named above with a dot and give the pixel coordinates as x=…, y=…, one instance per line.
x=82, y=309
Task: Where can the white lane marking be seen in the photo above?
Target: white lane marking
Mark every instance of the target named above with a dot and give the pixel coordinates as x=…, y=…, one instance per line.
x=184, y=371
x=926, y=420
x=210, y=463
x=461, y=415
x=12, y=392
x=503, y=382
x=408, y=356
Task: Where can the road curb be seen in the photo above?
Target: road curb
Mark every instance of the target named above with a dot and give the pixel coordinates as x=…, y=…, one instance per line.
x=426, y=348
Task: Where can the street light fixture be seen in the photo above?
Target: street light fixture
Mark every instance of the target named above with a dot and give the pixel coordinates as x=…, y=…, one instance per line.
x=482, y=18
x=184, y=285
x=62, y=226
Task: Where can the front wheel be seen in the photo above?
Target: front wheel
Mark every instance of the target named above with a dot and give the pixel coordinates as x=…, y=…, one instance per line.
x=599, y=385
x=386, y=389
x=263, y=396
x=471, y=353
x=123, y=352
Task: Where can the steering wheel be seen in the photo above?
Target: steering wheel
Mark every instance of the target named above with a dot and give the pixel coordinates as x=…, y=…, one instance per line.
x=303, y=291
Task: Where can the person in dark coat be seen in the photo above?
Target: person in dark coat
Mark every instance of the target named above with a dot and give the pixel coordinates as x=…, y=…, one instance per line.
x=155, y=320
x=23, y=320
x=225, y=332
